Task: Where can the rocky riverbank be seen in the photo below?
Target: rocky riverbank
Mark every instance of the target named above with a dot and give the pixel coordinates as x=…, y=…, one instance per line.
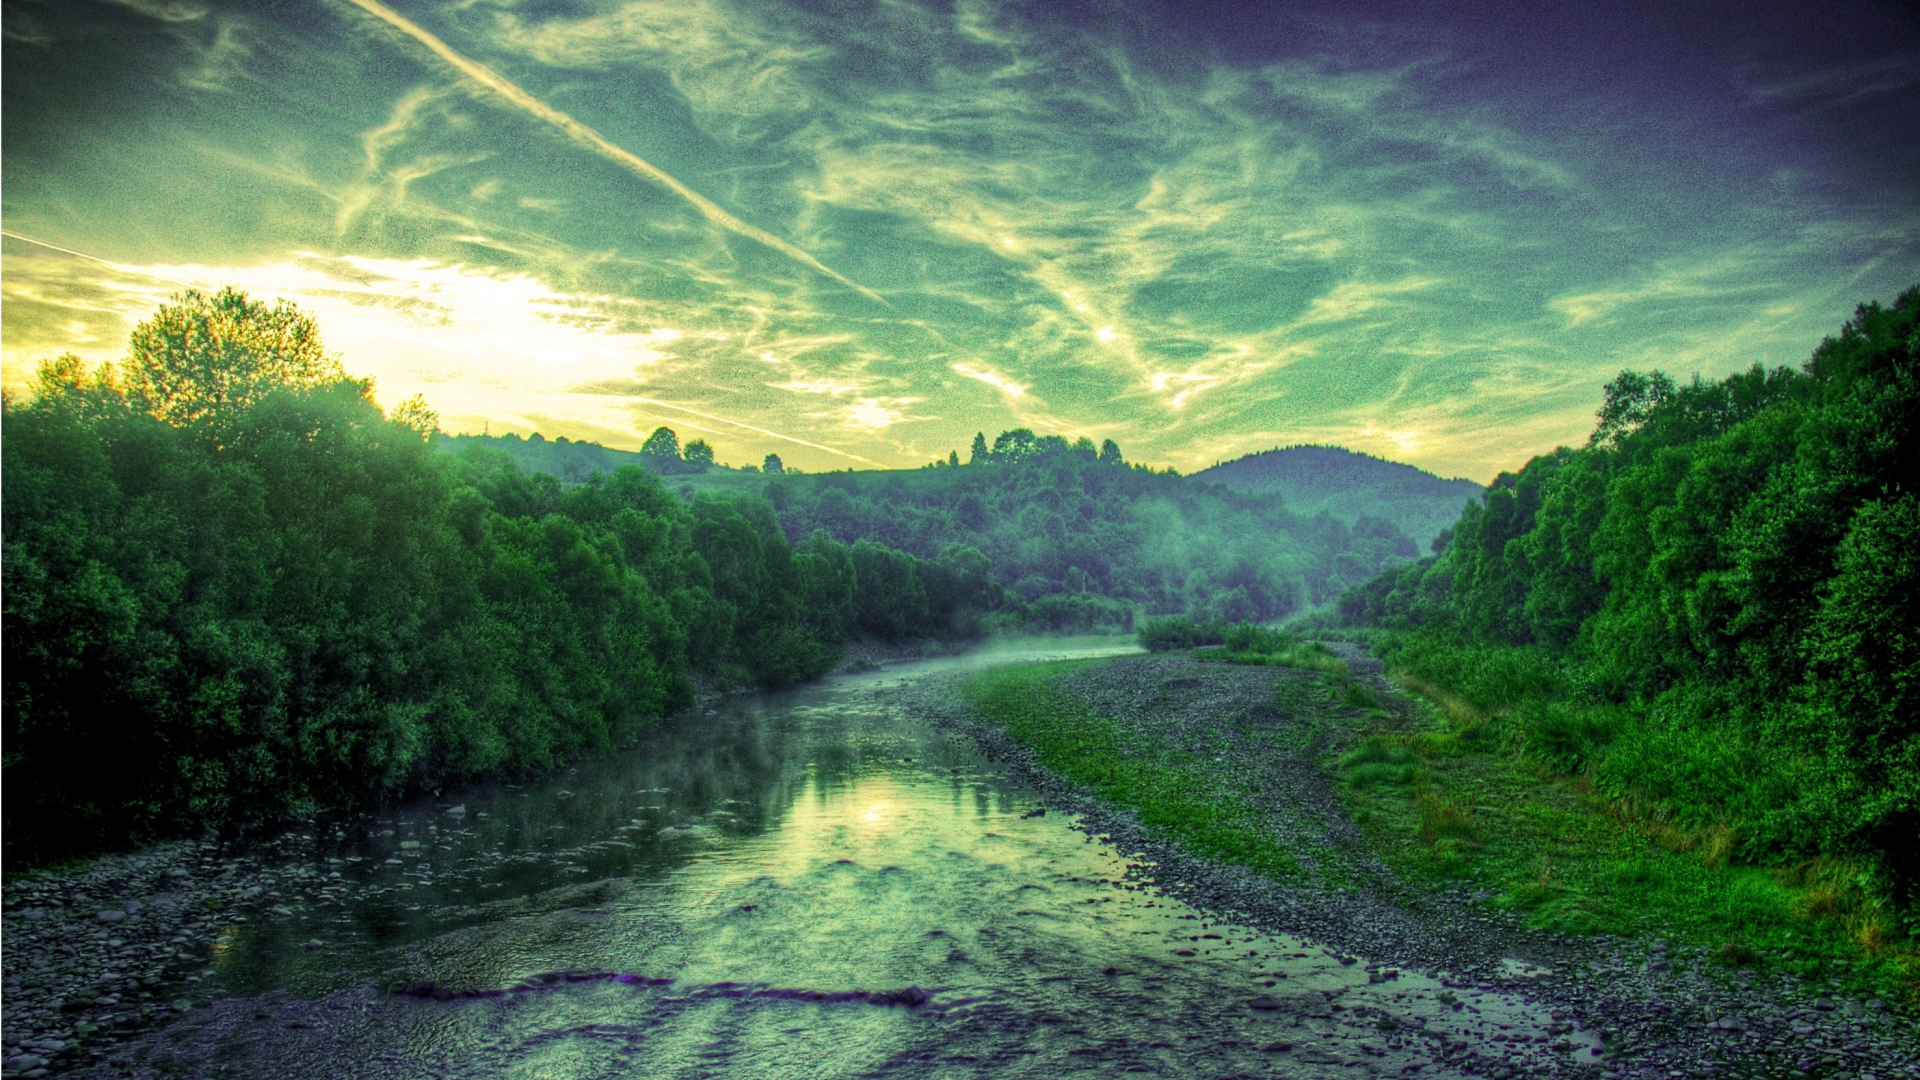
x=116, y=946
x=1661, y=1010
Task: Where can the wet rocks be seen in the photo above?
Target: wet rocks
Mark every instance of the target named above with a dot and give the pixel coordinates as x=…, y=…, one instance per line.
x=912, y=997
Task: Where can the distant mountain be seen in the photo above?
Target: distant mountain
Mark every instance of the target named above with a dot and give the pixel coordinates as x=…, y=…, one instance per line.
x=1346, y=485
x=1060, y=524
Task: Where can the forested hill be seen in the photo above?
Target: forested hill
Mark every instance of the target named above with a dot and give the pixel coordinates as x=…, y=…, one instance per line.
x=1062, y=524
x=1712, y=609
x=1348, y=484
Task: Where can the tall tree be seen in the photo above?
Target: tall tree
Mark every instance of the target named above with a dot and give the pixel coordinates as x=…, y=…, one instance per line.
x=201, y=355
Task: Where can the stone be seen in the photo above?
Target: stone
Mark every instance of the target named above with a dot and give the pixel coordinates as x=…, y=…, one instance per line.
x=111, y=915
x=1264, y=1003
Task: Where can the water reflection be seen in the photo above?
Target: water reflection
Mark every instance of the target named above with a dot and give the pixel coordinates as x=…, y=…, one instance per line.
x=728, y=889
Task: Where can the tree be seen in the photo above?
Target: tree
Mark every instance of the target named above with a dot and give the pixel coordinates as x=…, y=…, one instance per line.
x=699, y=455
x=772, y=465
x=1110, y=453
x=201, y=356
x=1015, y=446
x=979, y=454
x=414, y=413
x=1630, y=400
x=953, y=457
x=661, y=451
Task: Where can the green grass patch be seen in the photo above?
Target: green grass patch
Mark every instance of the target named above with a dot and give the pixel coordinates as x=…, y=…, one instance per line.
x=1314, y=657
x=1484, y=807
x=1165, y=788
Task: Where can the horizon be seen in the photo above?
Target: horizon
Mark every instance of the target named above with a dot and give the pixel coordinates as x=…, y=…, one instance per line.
x=531, y=436
x=1199, y=230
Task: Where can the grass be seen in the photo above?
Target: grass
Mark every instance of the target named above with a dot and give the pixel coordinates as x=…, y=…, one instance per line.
x=1467, y=805
x=1447, y=799
x=1312, y=657
x=1165, y=788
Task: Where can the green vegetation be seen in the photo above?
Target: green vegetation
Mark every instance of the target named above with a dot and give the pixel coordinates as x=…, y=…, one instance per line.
x=1350, y=486
x=234, y=590
x=1243, y=643
x=1080, y=536
x=1705, y=622
x=1066, y=519
x=1454, y=798
x=1166, y=788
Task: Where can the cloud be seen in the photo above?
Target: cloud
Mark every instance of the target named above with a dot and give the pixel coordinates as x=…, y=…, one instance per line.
x=587, y=137
x=1368, y=241
x=874, y=414
x=994, y=379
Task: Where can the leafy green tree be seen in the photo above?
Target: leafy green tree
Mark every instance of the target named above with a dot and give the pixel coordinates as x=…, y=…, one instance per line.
x=772, y=465
x=202, y=355
x=698, y=455
x=661, y=451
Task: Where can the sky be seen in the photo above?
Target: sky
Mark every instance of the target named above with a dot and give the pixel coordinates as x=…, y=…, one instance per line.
x=855, y=233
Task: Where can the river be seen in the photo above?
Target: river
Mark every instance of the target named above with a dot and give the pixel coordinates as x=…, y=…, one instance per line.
x=809, y=884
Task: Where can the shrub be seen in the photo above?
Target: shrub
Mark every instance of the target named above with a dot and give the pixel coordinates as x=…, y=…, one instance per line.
x=1178, y=632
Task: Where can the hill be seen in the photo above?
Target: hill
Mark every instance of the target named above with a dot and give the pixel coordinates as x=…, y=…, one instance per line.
x=1063, y=525
x=1347, y=485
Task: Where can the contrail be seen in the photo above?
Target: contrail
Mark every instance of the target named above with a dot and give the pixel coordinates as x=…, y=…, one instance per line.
x=749, y=427
x=122, y=267
x=597, y=142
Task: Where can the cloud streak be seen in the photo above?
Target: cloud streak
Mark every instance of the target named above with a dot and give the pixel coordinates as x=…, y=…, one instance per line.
x=587, y=137
x=1085, y=219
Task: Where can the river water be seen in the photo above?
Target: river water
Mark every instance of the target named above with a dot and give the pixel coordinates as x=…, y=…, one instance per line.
x=769, y=889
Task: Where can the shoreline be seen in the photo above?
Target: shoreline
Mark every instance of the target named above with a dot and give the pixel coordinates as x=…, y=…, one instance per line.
x=1658, y=1007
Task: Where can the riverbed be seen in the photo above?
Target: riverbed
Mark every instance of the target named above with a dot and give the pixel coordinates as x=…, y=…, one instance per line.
x=811, y=884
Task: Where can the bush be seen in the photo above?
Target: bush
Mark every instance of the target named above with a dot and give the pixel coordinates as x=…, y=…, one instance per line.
x=234, y=591
x=1178, y=632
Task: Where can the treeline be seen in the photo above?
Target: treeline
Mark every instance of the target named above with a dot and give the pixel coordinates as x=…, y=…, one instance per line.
x=1713, y=608
x=234, y=589
x=1071, y=528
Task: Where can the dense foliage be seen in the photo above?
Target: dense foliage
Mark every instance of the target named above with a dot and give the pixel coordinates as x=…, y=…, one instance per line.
x=1060, y=520
x=1714, y=607
x=235, y=589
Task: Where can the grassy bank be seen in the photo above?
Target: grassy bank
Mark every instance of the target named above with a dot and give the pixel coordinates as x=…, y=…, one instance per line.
x=1165, y=787
x=1449, y=794
x=1482, y=795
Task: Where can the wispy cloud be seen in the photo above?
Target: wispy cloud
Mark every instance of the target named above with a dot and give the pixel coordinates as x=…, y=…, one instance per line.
x=1369, y=238
x=587, y=137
